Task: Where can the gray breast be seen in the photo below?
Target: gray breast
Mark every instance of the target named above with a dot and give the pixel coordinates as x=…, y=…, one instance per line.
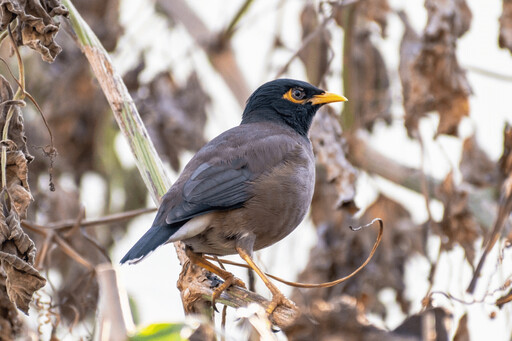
x=283, y=198
x=280, y=199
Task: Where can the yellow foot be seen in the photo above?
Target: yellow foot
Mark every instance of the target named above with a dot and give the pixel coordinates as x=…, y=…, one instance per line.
x=228, y=281
x=277, y=300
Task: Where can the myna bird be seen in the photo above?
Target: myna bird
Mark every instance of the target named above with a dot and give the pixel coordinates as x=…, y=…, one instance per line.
x=246, y=189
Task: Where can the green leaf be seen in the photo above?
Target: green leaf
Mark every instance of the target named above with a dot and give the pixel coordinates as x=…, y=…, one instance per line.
x=160, y=332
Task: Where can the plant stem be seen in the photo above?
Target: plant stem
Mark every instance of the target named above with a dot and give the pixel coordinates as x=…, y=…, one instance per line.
x=228, y=33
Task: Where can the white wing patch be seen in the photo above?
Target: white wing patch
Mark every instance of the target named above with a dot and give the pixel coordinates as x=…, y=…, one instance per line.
x=192, y=228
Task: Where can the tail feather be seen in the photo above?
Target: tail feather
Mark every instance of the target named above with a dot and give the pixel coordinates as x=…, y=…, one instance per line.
x=150, y=241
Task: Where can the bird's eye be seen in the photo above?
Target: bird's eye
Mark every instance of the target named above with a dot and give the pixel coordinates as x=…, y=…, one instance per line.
x=295, y=95
x=298, y=94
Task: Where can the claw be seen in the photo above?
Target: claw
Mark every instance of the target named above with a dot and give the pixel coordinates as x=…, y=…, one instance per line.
x=229, y=281
x=277, y=300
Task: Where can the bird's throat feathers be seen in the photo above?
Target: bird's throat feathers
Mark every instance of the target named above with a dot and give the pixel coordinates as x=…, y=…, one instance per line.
x=298, y=121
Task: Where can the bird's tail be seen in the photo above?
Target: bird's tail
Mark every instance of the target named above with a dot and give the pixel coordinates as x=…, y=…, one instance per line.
x=156, y=236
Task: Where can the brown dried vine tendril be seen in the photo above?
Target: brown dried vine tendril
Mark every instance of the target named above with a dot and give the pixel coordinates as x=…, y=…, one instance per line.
x=49, y=151
x=325, y=284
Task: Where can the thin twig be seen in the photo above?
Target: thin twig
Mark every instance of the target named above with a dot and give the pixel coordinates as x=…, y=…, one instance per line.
x=76, y=225
x=110, y=219
x=71, y=252
x=228, y=32
x=489, y=73
x=41, y=255
x=504, y=209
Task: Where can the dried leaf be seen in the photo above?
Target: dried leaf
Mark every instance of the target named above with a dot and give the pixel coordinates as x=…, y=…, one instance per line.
x=17, y=253
x=475, y=166
x=458, y=225
x=462, y=333
x=376, y=11
x=82, y=128
x=338, y=319
x=11, y=325
x=369, y=90
x=505, y=162
x=432, y=79
x=505, y=38
x=366, y=11
x=504, y=299
x=36, y=28
x=77, y=293
x=433, y=322
x=16, y=126
x=17, y=184
x=175, y=117
x=366, y=73
x=328, y=146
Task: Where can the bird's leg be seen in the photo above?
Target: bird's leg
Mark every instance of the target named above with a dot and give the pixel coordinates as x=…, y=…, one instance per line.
x=244, y=248
x=228, y=277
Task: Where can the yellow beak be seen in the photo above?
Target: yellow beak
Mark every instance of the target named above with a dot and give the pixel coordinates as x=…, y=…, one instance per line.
x=327, y=97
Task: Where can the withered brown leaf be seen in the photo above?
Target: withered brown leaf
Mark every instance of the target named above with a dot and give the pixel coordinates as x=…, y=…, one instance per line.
x=369, y=91
x=175, y=116
x=36, y=27
x=376, y=11
x=11, y=325
x=16, y=126
x=505, y=162
x=432, y=79
x=462, y=332
x=365, y=71
x=475, y=165
x=505, y=38
x=434, y=322
x=458, y=225
x=17, y=253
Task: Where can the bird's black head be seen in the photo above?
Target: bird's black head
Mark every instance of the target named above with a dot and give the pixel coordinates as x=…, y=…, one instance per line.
x=287, y=101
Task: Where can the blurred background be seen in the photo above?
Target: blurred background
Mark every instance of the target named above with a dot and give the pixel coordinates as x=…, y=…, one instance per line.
x=425, y=143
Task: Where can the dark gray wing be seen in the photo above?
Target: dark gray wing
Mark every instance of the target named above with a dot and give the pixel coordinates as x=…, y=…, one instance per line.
x=211, y=187
x=221, y=174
